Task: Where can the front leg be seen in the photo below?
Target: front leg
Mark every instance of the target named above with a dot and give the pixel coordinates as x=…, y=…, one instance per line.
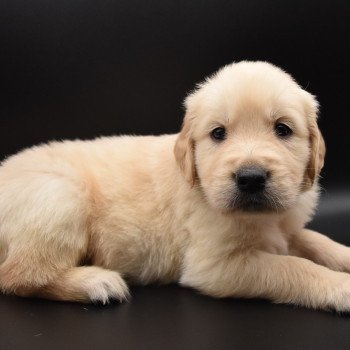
x=320, y=249
x=257, y=274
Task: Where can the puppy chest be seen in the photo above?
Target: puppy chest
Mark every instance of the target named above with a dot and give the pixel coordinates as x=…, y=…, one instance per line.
x=274, y=243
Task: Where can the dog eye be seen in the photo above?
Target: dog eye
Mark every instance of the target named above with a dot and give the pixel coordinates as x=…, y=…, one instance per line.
x=283, y=130
x=218, y=134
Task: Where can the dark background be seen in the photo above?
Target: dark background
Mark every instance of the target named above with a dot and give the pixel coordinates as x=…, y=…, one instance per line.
x=82, y=68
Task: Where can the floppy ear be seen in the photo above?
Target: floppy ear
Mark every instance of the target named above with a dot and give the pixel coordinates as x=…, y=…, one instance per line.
x=318, y=151
x=317, y=146
x=184, y=151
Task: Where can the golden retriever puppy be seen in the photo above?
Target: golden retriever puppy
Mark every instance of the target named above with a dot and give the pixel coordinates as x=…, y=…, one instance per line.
x=220, y=207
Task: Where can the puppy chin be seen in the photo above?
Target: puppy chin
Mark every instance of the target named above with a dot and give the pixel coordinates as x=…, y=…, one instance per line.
x=252, y=203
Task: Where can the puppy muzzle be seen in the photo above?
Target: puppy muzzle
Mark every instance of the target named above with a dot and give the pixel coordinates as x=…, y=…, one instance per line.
x=252, y=189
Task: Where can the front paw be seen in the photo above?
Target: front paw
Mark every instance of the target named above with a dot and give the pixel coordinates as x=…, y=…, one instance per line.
x=339, y=296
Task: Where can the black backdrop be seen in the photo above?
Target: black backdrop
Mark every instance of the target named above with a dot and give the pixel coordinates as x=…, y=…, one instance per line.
x=83, y=68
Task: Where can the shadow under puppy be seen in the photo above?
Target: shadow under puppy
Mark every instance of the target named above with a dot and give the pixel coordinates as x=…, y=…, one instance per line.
x=220, y=207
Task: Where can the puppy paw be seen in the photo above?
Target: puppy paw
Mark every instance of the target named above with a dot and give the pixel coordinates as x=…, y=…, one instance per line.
x=102, y=286
x=340, y=296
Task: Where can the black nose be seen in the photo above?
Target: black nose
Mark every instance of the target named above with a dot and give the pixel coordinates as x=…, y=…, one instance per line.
x=251, y=179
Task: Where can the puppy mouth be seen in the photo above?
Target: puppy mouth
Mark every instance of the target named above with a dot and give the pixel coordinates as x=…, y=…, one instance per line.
x=256, y=202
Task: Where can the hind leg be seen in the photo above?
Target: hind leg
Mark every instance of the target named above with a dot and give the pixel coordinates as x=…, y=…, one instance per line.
x=44, y=236
x=87, y=284
x=79, y=284
x=57, y=281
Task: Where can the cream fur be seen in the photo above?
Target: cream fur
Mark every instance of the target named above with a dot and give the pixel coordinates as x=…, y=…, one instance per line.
x=77, y=217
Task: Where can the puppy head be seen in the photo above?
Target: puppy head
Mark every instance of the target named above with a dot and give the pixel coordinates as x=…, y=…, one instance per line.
x=250, y=139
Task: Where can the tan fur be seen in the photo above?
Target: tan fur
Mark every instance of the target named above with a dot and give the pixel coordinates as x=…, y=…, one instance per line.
x=184, y=151
x=163, y=208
